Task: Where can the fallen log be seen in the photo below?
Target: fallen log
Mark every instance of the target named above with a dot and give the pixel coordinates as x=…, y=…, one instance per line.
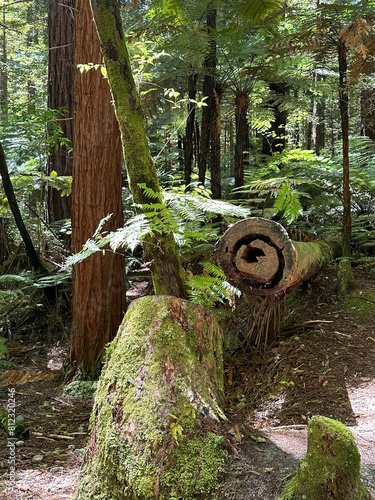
x=259, y=258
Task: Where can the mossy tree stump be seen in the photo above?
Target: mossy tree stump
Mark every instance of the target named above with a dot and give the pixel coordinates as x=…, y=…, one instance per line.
x=158, y=406
x=331, y=468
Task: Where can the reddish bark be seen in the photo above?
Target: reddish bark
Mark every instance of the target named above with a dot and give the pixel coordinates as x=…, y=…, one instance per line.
x=98, y=282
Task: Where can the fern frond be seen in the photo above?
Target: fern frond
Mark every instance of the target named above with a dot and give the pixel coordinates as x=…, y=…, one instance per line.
x=150, y=193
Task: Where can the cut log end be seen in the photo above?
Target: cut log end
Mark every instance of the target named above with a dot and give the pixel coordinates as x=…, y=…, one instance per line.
x=257, y=256
x=258, y=260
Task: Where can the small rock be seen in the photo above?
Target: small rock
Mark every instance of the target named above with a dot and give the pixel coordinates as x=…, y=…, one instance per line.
x=38, y=458
x=56, y=469
x=20, y=443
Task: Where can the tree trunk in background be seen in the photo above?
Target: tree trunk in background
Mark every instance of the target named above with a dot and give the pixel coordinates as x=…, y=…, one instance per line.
x=160, y=247
x=242, y=136
x=189, y=130
x=320, y=115
x=316, y=128
x=13, y=205
x=60, y=95
x=275, y=140
x=208, y=89
x=344, y=114
x=368, y=107
x=215, y=145
x=4, y=67
x=98, y=282
x=231, y=147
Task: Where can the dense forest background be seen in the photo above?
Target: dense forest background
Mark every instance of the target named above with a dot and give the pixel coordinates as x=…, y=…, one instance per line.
x=134, y=136
x=253, y=108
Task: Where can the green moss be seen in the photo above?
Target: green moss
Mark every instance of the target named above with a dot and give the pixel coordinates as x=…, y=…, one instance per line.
x=360, y=303
x=198, y=464
x=166, y=356
x=345, y=277
x=331, y=468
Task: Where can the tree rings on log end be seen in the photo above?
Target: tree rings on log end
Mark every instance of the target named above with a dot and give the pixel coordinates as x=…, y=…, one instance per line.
x=257, y=256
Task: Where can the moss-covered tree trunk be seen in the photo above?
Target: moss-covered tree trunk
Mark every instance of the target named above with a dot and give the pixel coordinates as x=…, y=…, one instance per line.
x=158, y=406
x=331, y=468
x=160, y=248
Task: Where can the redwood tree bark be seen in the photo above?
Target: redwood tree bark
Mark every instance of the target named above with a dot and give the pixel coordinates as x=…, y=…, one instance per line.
x=60, y=96
x=98, y=282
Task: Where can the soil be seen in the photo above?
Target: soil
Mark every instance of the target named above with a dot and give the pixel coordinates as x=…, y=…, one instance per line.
x=323, y=363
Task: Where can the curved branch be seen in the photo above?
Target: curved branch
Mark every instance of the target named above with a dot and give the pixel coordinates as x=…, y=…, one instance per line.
x=9, y=192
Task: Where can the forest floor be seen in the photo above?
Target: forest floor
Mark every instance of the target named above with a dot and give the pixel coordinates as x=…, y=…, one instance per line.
x=323, y=364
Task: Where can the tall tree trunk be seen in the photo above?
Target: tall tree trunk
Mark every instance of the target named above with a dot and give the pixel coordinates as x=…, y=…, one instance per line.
x=190, y=127
x=215, y=145
x=98, y=282
x=160, y=247
x=344, y=114
x=208, y=89
x=60, y=95
x=242, y=136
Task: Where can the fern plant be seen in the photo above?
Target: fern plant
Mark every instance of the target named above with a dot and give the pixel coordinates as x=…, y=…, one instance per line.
x=211, y=287
x=192, y=217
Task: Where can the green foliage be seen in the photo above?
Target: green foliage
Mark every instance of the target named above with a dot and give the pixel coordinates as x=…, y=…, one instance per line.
x=187, y=414
x=287, y=204
x=3, y=350
x=211, y=287
x=83, y=389
x=187, y=213
x=305, y=191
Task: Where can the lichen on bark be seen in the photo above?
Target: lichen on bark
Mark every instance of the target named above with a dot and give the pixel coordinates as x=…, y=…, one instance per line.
x=331, y=468
x=158, y=406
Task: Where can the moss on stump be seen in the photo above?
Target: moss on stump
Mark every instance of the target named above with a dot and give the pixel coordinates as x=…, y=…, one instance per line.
x=158, y=406
x=331, y=468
